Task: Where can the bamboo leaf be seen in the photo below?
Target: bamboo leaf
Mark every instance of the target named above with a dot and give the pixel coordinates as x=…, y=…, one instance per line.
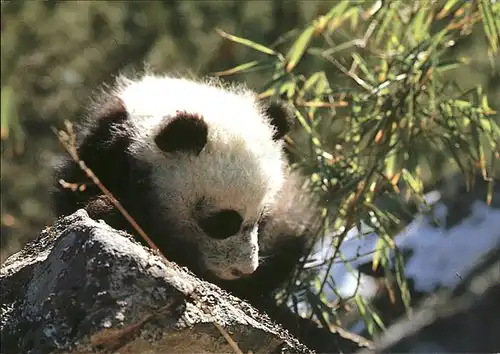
x=420, y=24
x=363, y=65
x=388, y=18
x=270, y=88
x=489, y=24
x=476, y=138
x=489, y=194
x=289, y=88
x=401, y=280
x=318, y=78
x=247, y=42
x=316, y=308
x=414, y=183
x=448, y=65
x=6, y=109
x=240, y=68
x=377, y=255
x=446, y=9
x=300, y=46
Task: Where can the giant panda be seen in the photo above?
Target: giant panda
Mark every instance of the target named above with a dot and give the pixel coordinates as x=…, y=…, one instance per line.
x=200, y=166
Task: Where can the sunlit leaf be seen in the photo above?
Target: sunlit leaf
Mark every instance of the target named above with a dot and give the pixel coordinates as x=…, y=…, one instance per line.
x=420, y=24
x=247, y=42
x=447, y=66
x=414, y=183
x=446, y=8
x=476, y=138
x=490, y=25
x=319, y=80
x=240, y=68
x=271, y=87
x=379, y=248
x=401, y=280
x=7, y=93
x=300, y=46
x=389, y=18
x=363, y=65
x=489, y=193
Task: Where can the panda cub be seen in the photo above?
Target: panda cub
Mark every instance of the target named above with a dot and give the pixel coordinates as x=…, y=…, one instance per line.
x=200, y=166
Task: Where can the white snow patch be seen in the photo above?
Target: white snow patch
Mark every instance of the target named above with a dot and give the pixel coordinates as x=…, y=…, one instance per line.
x=441, y=257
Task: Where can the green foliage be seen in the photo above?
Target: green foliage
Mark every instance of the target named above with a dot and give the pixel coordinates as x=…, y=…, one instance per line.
x=385, y=93
x=373, y=122
x=490, y=14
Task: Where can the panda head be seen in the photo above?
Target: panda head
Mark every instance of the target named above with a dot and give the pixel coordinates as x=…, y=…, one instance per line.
x=216, y=164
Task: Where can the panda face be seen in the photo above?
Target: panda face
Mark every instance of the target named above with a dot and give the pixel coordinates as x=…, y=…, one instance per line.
x=233, y=241
x=232, y=256
x=216, y=163
x=217, y=192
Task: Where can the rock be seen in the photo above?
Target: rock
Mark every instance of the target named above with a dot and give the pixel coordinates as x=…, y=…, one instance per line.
x=84, y=287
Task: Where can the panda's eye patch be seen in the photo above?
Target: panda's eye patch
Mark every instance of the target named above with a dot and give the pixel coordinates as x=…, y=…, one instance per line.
x=223, y=224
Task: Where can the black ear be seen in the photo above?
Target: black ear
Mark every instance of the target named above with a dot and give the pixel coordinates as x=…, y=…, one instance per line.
x=281, y=115
x=184, y=132
x=107, y=125
x=110, y=111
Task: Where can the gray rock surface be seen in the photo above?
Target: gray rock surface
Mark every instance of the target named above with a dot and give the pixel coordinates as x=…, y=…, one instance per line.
x=83, y=286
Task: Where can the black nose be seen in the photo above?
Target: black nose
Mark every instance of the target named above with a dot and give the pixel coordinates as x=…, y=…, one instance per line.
x=236, y=272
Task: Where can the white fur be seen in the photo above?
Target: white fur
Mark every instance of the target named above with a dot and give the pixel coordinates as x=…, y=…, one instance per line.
x=240, y=168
